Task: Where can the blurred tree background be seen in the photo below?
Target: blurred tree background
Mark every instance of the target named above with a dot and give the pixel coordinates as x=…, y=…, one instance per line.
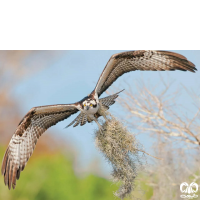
x=50, y=172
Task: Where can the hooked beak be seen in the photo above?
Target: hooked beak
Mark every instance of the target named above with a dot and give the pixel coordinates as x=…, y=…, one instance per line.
x=87, y=107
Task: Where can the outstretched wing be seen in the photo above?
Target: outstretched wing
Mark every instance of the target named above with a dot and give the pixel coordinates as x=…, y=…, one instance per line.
x=23, y=142
x=140, y=60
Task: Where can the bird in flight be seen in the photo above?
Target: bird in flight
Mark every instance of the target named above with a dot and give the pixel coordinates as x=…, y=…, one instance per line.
x=39, y=119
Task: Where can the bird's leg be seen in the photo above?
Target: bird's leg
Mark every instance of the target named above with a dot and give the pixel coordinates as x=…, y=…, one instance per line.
x=99, y=125
x=102, y=112
x=106, y=119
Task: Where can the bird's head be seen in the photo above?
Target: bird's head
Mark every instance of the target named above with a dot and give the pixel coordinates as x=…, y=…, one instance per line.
x=89, y=104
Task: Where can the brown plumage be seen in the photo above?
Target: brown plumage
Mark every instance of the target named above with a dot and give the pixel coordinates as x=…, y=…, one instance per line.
x=39, y=119
x=23, y=142
x=140, y=60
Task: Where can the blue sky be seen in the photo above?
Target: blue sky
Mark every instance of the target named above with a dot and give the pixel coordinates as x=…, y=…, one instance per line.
x=74, y=76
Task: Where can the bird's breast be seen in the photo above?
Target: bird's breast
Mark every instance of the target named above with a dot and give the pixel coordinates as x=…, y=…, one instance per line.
x=93, y=110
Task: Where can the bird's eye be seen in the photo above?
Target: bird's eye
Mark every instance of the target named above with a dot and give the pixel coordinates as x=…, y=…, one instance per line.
x=91, y=105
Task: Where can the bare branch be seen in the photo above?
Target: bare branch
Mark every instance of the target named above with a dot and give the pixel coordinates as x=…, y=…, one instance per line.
x=158, y=113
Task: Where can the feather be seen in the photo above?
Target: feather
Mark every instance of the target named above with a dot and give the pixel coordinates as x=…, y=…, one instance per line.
x=109, y=100
x=23, y=142
x=39, y=119
x=84, y=120
x=140, y=60
x=79, y=120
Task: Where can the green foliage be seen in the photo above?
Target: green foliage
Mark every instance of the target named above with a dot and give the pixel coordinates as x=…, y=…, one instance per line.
x=51, y=176
x=143, y=190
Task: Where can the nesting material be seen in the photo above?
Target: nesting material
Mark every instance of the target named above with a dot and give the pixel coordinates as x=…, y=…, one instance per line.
x=120, y=148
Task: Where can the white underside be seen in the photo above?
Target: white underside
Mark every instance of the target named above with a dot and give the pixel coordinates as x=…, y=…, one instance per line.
x=92, y=110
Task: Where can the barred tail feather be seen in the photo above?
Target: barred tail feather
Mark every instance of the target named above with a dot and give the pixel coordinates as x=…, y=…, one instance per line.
x=84, y=120
x=78, y=120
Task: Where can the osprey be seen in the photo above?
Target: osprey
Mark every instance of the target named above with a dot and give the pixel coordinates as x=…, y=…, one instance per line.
x=39, y=119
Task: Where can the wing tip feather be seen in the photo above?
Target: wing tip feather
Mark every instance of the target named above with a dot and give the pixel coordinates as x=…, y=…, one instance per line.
x=4, y=162
x=185, y=64
x=10, y=169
